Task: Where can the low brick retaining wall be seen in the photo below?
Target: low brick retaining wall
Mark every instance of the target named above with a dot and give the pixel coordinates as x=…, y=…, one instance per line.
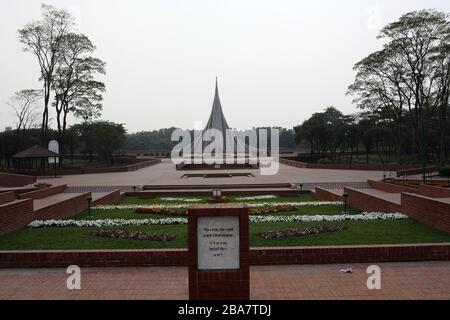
x=357, y=167
x=325, y=195
x=218, y=186
x=79, y=171
x=430, y=211
x=434, y=192
x=227, y=193
x=258, y=256
x=15, y=180
x=110, y=198
x=43, y=193
x=367, y=202
x=7, y=197
x=15, y=215
x=414, y=171
x=390, y=187
x=64, y=209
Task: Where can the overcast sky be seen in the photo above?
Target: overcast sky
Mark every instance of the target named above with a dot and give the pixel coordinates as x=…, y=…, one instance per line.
x=278, y=62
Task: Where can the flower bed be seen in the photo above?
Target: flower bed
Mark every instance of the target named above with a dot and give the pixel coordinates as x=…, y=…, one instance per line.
x=162, y=212
x=250, y=205
x=119, y=234
x=300, y=232
x=253, y=211
x=253, y=219
x=254, y=198
x=180, y=200
x=265, y=211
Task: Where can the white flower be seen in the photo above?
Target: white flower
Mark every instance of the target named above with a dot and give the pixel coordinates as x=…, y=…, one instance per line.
x=178, y=221
x=180, y=200
x=250, y=205
x=256, y=198
x=329, y=218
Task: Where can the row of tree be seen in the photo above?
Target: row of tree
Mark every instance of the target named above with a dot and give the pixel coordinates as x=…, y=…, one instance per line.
x=68, y=72
x=160, y=140
x=93, y=141
x=331, y=135
x=403, y=91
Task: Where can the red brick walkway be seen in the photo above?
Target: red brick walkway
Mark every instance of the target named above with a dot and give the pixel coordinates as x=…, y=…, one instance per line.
x=430, y=280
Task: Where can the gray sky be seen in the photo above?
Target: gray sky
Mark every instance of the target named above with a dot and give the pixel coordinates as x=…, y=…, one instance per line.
x=278, y=62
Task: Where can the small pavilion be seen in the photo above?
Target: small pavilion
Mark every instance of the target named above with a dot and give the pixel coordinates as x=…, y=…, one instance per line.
x=29, y=159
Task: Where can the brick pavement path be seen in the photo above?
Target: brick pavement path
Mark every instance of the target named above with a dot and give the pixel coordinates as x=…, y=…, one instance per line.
x=424, y=280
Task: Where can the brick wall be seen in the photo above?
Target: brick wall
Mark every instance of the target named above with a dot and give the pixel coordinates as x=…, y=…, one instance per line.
x=64, y=209
x=390, y=187
x=427, y=210
x=43, y=193
x=414, y=171
x=227, y=193
x=292, y=163
x=7, y=197
x=15, y=180
x=434, y=192
x=363, y=167
x=363, y=201
x=350, y=254
x=129, y=168
x=110, y=198
x=325, y=195
x=15, y=215
x=258, y=256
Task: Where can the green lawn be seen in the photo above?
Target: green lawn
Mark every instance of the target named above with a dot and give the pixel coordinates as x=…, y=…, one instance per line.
x=357, y=233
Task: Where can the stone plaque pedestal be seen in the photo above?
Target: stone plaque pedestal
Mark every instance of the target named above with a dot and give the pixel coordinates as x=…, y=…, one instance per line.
x=219, y=252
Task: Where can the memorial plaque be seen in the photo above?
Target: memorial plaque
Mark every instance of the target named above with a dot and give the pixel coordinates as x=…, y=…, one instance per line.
x=218, y=243
x=219, y=255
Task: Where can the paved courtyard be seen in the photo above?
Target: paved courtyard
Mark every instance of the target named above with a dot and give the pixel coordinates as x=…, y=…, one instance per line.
x=421, y=280
x=165, y=174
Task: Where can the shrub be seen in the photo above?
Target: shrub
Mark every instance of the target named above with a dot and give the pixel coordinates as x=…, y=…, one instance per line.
x=444, y=172
x=324, y=161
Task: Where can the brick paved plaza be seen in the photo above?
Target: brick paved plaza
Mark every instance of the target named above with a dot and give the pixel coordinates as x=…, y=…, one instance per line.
x=424, y=280
x=165, y=174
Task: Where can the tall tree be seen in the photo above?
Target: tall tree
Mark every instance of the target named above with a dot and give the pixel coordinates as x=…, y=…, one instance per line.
x=75, y=86
x=379, y=84
x=44, y=39
x=415, y=37
x=24, y=103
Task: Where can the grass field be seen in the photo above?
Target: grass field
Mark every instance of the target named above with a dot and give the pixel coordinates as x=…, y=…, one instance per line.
x=356, y=232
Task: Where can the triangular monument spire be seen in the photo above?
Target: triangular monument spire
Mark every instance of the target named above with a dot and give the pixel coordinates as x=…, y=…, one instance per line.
x=217, y=119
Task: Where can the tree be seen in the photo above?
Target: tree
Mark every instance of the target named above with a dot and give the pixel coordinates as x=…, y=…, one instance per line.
x=24, y=103
x=409, y=79
x=102, y=138
x=324, y=131
x=44, y=39
x=75, y=86
x=378, y=85
x=415, y=37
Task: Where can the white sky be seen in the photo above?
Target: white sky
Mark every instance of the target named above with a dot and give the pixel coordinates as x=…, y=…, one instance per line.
x=278, y=62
